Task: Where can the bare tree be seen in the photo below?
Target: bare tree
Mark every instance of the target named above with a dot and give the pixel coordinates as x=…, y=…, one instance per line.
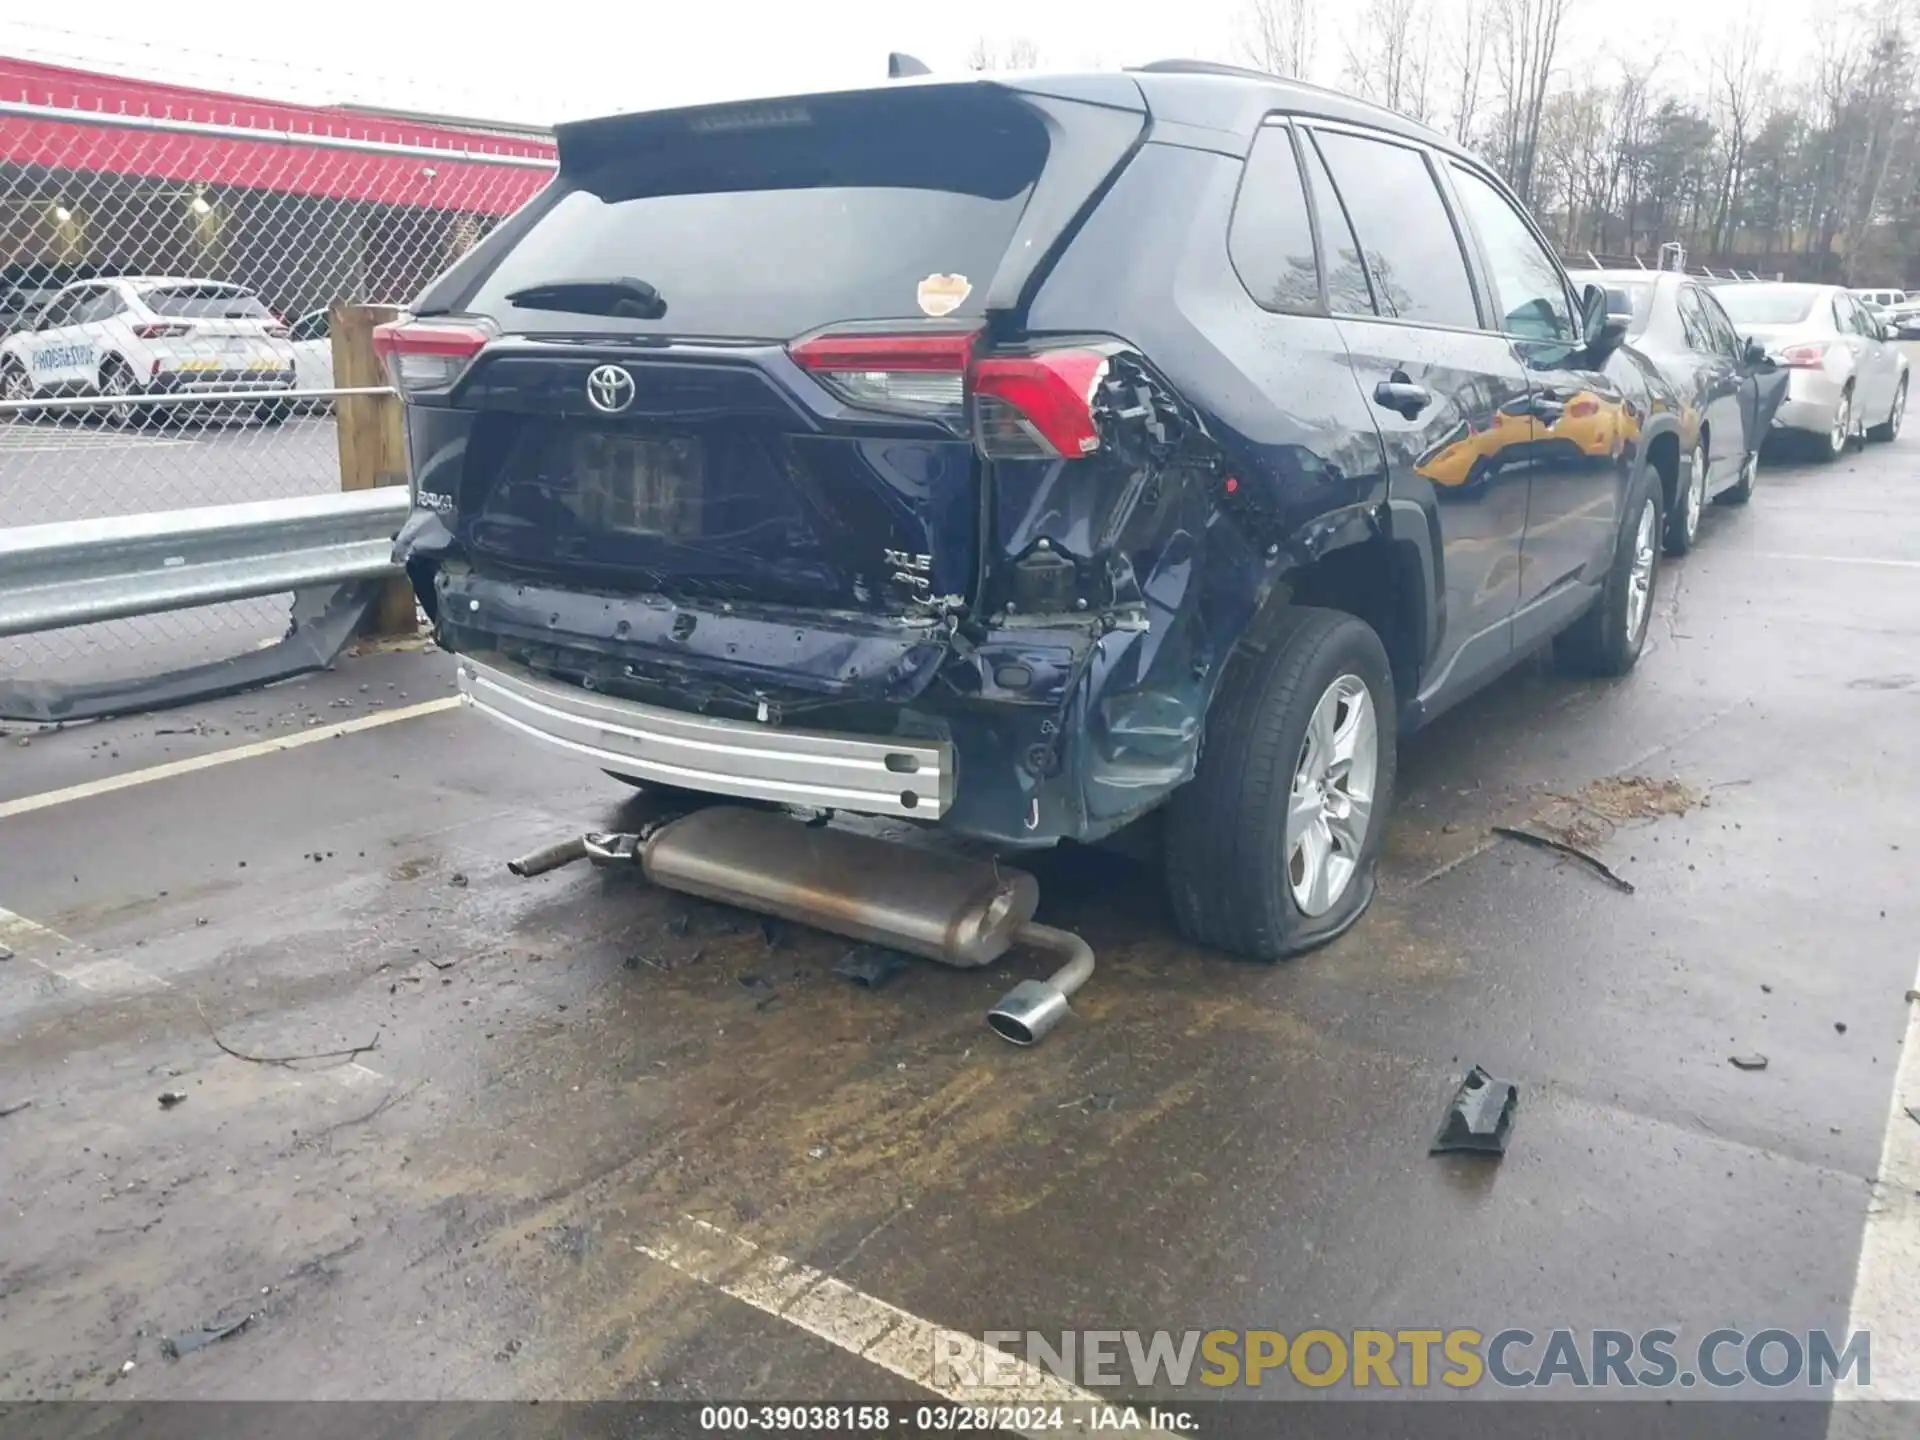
x=1387, y=54
x=1526, y=35
x=1278, y=36
x=1464, y=55
x=1019, y=53
x=1736, y=79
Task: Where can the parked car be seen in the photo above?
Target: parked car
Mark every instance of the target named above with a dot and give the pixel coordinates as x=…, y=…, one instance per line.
x=135, y=336
x=1020, y=456
x=312, y=352
x=1845, y=378
x=1729, y=387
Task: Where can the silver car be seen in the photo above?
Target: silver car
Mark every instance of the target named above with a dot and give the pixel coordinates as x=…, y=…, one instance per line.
x=1845, y=376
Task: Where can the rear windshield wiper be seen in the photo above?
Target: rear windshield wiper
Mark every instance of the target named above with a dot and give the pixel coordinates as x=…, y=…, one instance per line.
x=622, y=297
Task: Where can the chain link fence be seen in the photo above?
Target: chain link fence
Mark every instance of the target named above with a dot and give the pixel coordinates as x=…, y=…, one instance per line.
x=168, y=261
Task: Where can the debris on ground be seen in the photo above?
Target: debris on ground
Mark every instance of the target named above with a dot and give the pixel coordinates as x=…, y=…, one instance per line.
x=818, y=1152
x=1479, y=1121
x=1913, y=1113
x=176, y=1347
x=350, y=1053
x=1747, y=1062
x=871, y=966
x=5, y=953
x=1587, y=818
x=1839, y=1027
x=171, y=1098
x=1090, y=1103
x=1563, y=847
x=774, y=930
x=458, y=880
x=15, y=1108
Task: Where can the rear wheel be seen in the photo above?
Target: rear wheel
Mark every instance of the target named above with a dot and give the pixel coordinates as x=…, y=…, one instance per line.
x=116, y=382
x=1839, y=434
x=1271, y=848
x=1607, y=639
x=1683, y=525
x=1890, y=428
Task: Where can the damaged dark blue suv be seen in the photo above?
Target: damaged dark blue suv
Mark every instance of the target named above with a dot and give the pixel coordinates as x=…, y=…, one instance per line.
x=1019, y=456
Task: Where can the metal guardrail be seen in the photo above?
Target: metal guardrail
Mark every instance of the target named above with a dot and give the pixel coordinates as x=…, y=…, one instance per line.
x=81, y=571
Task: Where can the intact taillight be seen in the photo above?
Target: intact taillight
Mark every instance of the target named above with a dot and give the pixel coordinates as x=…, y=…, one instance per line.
x=428, y=354
x=923, y=375
x=1038, y=406
x=1804, y=357
x=1033, y=406
x=159, y=330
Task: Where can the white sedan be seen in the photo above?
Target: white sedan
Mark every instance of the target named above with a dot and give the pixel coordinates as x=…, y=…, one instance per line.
x=134, y=336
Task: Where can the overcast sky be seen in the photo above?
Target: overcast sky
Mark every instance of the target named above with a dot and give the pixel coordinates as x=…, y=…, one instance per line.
x=562, y=59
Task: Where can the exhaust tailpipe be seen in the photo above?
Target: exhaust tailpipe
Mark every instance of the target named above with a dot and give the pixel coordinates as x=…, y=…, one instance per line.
x=1033, y=1007
x=550, y=857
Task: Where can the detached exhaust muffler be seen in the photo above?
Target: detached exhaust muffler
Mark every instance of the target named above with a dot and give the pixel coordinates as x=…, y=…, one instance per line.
x=950, y=908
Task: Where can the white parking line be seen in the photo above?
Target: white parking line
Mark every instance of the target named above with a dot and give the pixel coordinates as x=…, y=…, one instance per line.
x=928, y=1355
x=41, y=947
x=106, y=785
x=1840, y=560
x=1886, y=1287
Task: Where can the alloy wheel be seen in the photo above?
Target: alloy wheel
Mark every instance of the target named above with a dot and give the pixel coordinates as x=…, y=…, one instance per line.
x=1640, y=576
x=1696, y=499
x=1899, y=412
x=118, y=383
x=1330, y=807
x=1842, y=430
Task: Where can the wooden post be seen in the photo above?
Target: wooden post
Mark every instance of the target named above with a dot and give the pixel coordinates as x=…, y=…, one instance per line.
x=373, y=437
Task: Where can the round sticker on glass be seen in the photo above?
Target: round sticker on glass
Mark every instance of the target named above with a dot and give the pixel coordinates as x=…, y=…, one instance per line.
x=943, y=294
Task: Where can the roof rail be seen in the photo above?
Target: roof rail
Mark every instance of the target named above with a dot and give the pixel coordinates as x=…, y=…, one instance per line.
x=1201, y=67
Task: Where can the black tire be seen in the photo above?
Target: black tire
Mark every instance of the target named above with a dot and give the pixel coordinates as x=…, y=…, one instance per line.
x=1228, y=864
x=1889, y=428
x=1689, y=503
x=1824, y=449
x=1603, y=641
x=116, y=377
x=17, y=385
x=1741, y=491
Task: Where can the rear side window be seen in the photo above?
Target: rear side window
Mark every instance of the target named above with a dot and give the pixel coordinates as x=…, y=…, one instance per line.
x=1271, y=239
x=203, y=302
x=1693, y=320
x=1413, y=256
x=775, y=230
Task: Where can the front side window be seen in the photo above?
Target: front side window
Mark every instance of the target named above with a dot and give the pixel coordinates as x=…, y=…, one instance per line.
x=1271, y=238
x=1530, y=294
x=1411, y=252
x=1693, y=320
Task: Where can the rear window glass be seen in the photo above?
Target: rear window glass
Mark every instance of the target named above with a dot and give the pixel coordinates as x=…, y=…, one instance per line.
x=204, y=302
x=1271, y=240
x=1766, y=307
x=772, y=232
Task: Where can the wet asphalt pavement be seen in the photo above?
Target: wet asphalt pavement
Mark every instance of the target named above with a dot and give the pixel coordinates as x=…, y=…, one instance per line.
x=551, y=1075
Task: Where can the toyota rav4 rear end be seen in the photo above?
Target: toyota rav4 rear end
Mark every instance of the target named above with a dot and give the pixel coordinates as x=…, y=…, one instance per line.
x=737, y=472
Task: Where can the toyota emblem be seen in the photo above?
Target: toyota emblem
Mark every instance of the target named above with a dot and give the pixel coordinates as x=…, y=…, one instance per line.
x=609, y=389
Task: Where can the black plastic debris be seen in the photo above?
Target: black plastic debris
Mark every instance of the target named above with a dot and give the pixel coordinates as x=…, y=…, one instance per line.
x=176, y=1347
x=871, y=966
x=1480, y=1119
x=457, y=880
x=171, y=1098
x=15, y=1108
x=1747, y=1062
x=5, y=953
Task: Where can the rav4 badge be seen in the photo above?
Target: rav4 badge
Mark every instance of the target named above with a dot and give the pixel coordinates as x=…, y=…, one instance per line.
x=943, y=294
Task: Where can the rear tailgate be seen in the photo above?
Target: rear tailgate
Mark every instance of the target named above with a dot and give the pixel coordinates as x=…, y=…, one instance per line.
x=711, y=465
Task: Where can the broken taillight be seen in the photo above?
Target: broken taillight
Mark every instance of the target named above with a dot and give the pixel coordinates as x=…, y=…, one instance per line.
x=428, y=354
x=904, y=374
x=1033, y=406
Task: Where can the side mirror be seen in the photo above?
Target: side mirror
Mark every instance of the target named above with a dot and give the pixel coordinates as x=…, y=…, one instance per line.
x=1755, y=354
x=1604, y=332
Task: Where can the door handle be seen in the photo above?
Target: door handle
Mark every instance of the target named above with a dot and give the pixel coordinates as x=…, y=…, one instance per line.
x=1402, y=396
